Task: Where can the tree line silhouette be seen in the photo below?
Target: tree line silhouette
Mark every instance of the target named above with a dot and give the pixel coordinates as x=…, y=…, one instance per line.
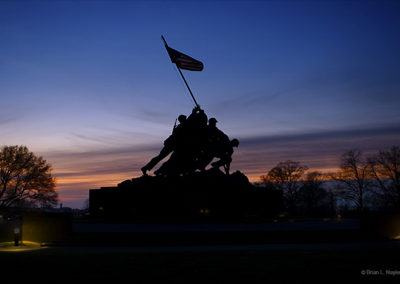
x=361, y=183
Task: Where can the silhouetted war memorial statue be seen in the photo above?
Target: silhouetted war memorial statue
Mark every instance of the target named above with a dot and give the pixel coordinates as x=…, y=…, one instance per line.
x=189, y=184
x=183, y=186
x=194, y=144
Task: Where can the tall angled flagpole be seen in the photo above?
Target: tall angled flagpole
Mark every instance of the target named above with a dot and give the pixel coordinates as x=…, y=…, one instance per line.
x=190, y=91
x=183, y=77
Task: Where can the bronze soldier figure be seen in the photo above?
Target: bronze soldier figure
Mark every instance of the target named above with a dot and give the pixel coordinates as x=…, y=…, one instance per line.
x=225, y=155
x=169, y=145
x=194, y=144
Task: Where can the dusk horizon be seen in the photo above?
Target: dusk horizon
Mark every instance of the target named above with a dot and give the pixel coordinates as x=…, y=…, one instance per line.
x=254, y=157
x=90, y=87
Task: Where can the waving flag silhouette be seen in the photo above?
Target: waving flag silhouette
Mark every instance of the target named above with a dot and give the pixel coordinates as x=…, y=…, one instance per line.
x=185, y=62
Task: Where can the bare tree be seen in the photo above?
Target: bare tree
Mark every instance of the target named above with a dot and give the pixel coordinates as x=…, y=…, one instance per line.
x=353, y=178
x=287, y=176
x=385, y=169
x=25, y=179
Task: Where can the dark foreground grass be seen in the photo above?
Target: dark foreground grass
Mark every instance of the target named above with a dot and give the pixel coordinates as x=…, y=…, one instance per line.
x=268, y=266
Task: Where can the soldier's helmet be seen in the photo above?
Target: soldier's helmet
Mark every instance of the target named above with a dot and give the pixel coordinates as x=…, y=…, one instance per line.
x=182, y=118
x=212, y=121
x=235, y=142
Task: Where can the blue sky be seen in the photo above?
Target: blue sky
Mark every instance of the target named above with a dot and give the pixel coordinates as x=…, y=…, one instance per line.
x=89, y=85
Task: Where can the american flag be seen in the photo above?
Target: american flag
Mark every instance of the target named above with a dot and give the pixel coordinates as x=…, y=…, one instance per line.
x=184, y=61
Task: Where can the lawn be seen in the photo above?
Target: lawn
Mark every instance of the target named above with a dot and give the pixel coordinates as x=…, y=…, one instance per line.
x=296, y=265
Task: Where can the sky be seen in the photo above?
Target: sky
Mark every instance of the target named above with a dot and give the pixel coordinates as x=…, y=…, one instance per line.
x=89, y=86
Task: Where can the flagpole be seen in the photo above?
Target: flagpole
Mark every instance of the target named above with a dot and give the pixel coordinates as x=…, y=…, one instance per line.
x=183, y=77
x=190, y=91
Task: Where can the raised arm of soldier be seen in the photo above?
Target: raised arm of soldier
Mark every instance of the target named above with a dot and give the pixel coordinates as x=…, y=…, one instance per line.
x=197, y=118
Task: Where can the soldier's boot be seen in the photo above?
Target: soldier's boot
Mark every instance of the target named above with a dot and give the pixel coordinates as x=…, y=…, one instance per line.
x=144, y=170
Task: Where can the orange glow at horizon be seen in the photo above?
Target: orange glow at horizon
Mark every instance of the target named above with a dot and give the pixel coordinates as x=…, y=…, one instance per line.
x=80, y=185
x=76, y=189
x=255, y=177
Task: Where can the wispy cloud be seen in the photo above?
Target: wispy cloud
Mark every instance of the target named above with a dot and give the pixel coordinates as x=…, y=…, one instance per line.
x=152, y=116
x=319, y=150
x=7, y=117
x=79, y=171
x=376, y=131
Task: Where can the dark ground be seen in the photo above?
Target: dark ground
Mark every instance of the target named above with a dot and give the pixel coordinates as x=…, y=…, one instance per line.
x=323, y=251
x=267, y=263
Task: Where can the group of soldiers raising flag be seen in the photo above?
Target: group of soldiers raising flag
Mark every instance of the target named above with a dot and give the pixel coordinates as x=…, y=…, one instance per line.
x=194, y=143
x=196, y=140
